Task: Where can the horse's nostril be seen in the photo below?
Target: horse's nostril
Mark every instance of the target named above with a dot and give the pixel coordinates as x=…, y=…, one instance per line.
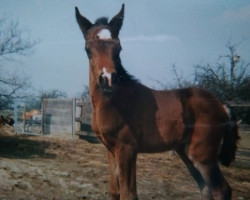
x=105, y=85
x=103, y=80
x=113, y=77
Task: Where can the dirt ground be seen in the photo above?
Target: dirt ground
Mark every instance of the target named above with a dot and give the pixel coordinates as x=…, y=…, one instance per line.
x=42, y=167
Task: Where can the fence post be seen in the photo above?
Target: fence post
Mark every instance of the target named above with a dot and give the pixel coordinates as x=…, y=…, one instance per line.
x=73, y=116
x=42, y=113
x=15, y=115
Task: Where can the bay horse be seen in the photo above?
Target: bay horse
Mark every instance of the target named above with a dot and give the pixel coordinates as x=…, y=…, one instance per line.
x=130, y=118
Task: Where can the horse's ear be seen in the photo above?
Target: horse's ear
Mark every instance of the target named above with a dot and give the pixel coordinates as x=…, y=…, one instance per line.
x=116, y=22
x=83, y=22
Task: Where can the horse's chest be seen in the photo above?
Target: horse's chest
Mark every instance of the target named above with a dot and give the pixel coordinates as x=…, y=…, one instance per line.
x=107, y=124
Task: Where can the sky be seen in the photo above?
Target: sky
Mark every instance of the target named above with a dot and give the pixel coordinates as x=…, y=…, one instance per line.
x=155, y=35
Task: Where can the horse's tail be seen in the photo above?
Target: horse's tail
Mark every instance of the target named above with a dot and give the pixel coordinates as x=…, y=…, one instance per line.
x=230, y=139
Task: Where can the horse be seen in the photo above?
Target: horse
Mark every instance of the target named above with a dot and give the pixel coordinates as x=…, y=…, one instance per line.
x=29, y=115
x=130, y=118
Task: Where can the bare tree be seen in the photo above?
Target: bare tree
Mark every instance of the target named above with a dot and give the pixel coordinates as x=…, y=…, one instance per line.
x=14, y=42
x=230, y=80
x=227, y=81
x=11, y=87
x=54, y=93
x=86, y=108
x=85, y=94
x=181, y=82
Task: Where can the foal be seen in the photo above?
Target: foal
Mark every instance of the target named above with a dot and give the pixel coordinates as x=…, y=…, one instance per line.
x=130, y=118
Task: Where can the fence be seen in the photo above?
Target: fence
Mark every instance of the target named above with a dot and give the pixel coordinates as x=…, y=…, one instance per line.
x=243, y=153
x=83, y=120
x=51, y=116
x=58, y=117
x=27, y=116
x=62, y=117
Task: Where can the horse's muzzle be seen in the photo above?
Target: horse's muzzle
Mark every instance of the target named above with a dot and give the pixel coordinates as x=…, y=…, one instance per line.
x=107, y=83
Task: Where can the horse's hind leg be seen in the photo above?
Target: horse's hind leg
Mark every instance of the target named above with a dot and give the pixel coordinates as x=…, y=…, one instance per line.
x=195, y=173
x=211, y=173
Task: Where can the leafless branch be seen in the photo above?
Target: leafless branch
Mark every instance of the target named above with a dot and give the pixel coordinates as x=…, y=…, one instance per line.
x=14, y=42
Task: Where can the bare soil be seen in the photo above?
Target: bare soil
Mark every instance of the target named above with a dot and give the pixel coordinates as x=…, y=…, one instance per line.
x=42, y=167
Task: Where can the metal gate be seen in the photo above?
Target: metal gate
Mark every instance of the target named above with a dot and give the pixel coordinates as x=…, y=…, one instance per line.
x=58, y=117
x=28, y=117
x=49, y=117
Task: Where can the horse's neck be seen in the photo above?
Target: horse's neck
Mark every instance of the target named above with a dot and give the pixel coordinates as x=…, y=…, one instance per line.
x=97, y=98
x=100, y=101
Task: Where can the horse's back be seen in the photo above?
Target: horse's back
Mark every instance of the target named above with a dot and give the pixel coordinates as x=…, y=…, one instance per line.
x=203, y=105
x=191, y=105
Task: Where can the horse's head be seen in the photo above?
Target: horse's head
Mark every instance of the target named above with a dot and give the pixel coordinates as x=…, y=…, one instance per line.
x=103, y=48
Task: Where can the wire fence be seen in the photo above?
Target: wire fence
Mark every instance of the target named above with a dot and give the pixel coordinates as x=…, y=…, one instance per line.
x=49, y=117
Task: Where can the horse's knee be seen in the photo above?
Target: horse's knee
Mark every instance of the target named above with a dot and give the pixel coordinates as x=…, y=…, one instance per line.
x=114, y=192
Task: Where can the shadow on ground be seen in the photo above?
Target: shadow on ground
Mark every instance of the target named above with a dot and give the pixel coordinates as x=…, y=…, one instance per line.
x=23, y=148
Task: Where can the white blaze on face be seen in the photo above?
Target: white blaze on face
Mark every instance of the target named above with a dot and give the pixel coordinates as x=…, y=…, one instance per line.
x=106, y=75
x=104, y=34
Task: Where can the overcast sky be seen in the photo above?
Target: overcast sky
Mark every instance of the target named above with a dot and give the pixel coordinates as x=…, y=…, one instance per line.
x=155, y=35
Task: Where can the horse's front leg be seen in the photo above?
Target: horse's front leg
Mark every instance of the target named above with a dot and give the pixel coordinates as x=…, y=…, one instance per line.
x=125, y=156
x=114, y=179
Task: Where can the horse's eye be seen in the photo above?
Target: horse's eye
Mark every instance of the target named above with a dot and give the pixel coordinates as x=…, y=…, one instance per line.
x=88, y=52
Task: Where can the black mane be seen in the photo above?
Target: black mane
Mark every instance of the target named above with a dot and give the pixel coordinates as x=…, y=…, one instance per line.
x=101, y=21
x=123, y=77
